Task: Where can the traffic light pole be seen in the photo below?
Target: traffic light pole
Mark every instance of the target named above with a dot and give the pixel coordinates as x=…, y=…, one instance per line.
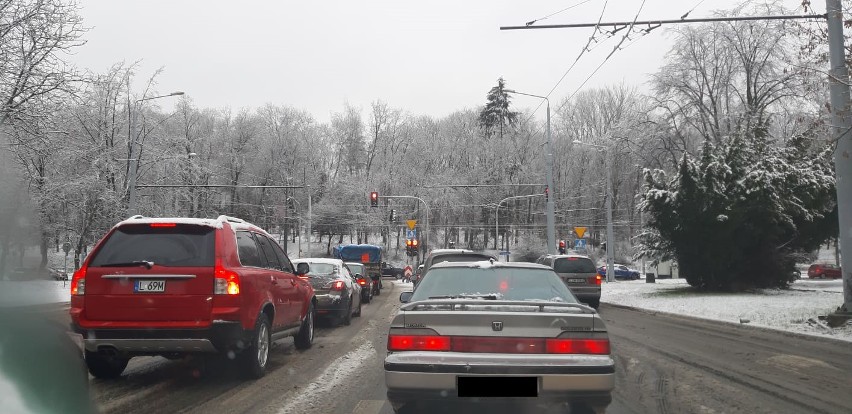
x=426, y=238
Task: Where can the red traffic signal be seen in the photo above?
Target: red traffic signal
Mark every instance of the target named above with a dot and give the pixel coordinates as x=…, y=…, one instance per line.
x=562, y=243
x=374, y=199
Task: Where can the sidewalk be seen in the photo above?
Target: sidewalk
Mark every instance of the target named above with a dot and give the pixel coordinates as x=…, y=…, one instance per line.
x=795, y=310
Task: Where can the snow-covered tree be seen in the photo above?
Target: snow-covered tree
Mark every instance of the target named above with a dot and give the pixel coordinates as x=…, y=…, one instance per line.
x=736, y=216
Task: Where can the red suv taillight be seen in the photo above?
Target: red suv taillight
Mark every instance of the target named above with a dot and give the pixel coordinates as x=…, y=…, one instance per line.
x=337, y=285
x=595, y=280
x=78, y=282
x=227, y=281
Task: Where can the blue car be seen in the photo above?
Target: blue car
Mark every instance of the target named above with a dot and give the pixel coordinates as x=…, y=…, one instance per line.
x=621, y=272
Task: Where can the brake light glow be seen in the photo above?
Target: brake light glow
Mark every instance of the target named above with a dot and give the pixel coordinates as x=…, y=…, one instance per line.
x=418, y=343
x=502, y=345
x=78, y=282
x=337, y=285
x=578, y=346
x=163, y=224
x=362, y=282
x=227, y=281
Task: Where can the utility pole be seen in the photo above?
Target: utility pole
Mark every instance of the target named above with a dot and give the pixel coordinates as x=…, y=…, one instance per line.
x=610, y=237
x=840, y=119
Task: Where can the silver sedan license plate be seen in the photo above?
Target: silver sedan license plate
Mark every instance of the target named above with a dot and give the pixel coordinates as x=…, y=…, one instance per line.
x=150, y=286
x=576, y=280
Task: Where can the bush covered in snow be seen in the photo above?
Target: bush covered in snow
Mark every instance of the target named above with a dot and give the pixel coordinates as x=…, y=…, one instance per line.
x=737, y=216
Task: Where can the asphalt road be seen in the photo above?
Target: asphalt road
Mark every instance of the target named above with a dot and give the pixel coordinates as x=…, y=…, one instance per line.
x=665, y=364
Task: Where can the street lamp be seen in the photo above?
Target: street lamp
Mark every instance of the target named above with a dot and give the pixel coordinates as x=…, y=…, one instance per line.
x=549, y=190
x=134, y=157
x=497, y=213
x=610, y=239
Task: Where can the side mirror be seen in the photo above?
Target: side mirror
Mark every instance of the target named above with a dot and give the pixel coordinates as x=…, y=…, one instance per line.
x=302, y=269
x=357, y=275
x=405, y=297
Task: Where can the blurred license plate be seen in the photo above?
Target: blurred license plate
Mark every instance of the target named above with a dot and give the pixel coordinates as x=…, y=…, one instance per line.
x=149, y=286
x=576, y=280
x=497, y=386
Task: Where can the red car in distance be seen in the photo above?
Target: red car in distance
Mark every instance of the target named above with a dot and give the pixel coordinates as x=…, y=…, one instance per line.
x=824, y=271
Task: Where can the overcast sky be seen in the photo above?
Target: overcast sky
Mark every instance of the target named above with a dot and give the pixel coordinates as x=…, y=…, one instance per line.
x=427, y=57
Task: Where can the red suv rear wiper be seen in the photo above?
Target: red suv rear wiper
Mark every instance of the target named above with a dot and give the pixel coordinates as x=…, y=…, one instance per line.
x=148, y=265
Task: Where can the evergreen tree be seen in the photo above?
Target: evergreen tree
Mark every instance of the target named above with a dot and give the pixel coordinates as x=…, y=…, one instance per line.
x=496, y=115
x=737, y=216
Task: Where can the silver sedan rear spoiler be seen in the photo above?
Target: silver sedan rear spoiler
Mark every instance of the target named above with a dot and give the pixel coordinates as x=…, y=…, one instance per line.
x=509, y=305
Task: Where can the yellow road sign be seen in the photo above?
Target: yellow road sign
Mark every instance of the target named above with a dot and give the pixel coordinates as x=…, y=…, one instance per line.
x=411, y=224
x=580, y=231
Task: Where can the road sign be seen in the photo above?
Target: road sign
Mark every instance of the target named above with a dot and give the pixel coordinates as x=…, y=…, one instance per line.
x=579, y=244
x=581, y=231
x=66, y=247
x=411, y=224
x=411, y=234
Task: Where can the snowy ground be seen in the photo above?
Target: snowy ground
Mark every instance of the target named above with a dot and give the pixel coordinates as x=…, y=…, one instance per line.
x=34, y=292
x=795, y=310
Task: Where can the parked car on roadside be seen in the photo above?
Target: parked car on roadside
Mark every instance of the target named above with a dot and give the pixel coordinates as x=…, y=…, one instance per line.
x=621, y=272
x=389, y=270
x=578, y=273
x=359, y=273
x=338, y=294
x=824, y=271
x=178, y=286
x=497, y=332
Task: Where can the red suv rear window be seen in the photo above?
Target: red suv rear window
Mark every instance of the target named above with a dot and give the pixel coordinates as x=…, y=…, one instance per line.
x=181, y=245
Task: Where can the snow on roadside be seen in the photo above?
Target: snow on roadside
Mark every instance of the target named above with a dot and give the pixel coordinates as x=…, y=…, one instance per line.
x=335, y=375
x=34, y=292
x=795, y=310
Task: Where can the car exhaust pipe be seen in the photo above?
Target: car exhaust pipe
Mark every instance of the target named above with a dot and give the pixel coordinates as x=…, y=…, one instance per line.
x=108, y=350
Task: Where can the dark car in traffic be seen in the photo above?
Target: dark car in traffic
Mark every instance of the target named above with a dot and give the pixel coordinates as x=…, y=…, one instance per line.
x=338, y=293
x=450, y=255
x=359, y=273
x=578, y=273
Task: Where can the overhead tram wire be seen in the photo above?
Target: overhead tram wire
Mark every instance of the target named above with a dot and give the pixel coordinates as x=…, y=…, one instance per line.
x=532, y=22
x=577, y=59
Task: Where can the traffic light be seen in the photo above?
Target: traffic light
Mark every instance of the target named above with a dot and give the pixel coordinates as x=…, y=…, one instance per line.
x=546, y=193
x=561, y=246
x=392, y=215
x=411, y=246
x=374, y=199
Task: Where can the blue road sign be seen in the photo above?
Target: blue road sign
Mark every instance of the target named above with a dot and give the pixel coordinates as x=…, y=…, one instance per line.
x=411, y=234
x=580, y=244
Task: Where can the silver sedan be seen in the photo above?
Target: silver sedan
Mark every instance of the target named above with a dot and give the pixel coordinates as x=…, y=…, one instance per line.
x=497, y=332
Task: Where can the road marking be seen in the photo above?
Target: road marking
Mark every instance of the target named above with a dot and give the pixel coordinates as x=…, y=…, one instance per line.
x=369, y=407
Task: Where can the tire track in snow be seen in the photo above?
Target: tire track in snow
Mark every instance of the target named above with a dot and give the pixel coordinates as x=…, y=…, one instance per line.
x=336, y=374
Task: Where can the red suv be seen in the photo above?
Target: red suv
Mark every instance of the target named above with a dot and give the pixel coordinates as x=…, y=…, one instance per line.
x=823, y=270
x=178, y=286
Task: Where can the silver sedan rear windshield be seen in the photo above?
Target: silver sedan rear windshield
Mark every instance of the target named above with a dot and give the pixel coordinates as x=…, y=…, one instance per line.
x=498, y=283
